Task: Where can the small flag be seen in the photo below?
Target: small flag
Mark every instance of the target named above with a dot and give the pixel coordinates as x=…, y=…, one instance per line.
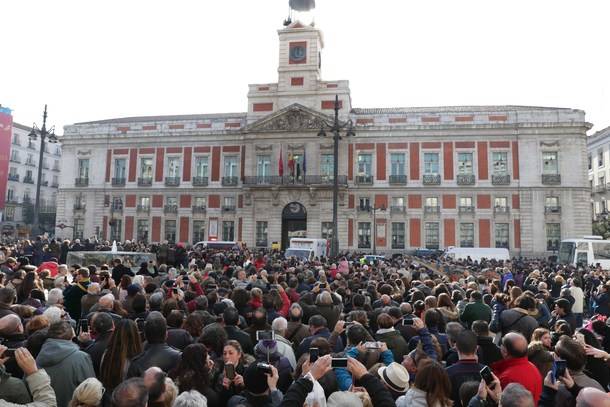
x=280, y=170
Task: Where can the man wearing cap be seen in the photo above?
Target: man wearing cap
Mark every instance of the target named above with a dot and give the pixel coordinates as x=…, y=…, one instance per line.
x=261, y=388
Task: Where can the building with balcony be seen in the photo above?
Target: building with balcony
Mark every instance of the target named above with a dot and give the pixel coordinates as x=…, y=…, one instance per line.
x=598, y=149
x=480, y=176
x=24, y=155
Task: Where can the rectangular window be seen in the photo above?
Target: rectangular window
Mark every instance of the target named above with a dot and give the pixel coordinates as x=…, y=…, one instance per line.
x=146, y=167
x=142, y=230
x=327, y=165
x=364, y=235
x=601, y=181
x=228, y=231
x=589, y=161
x=465, y=201
x=600, y=158
x=261, y=234
x=499, y=162
x=431, y=166
x=263, y=165
x=431, y=201
x=364, y=203
x=365, y=165
x=30, y=160
x=198, y=231
x=9, y=213
x=12, y=171
x=55, y=180
x=229, y=201
x=398, y=235
x=10, y=194
x=431, y=231
x=201, y=167
x=120, y=165
x=201, y=201
x=550, y=164
x=553, y=236
x=398, y=202
x=144, y=202
x=16, y=140
x=327, y=230
x=466, y=234
x=173, y=167
x=79, y=229
x=465, y=164
x=551, y=201
x=502, y=235
x=230, y=166
x=500, y=202
x=397, y=163
x=83, y=168
x=116, y=226
x=171, y=201
x=14, y=155
x=170, y=231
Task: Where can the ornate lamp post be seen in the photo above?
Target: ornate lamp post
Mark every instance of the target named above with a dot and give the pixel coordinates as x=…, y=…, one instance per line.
x=335, y=128
x=52, y=138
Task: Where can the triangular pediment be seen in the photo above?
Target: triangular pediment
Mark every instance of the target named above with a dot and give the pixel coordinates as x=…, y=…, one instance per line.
x=295, y=117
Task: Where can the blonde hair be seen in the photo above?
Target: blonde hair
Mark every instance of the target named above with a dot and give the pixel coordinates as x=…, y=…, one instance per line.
x=88, y=394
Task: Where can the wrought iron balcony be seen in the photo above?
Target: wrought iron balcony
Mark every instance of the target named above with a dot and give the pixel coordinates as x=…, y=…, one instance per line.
x=552, y=209
x=13, y=177
x=364, y=208
x=228, y=208
x=168, y=209
x=397, y=209
x=28, y=180
x=30, y=163
x=48, y=209
x=465, y=179
x=200, y=181
x=119, y=182
x=172, y=181
x=144, y=181
x=116, y=208
x=500, y=179
x=364, y=180
x=197, y=209
x=45, y=183
x=27, y=200
x=55, y=185
x=398, y=245
x=15, y=160
x=398, y=180
x=430, y=209
x=325, y=180
x=230, y=181
x=551, y=179
x=81, y=182
x=466, y=209
x=56, y=168
x=143, y=208
x=432, y=179
x=79, y=206
x=501, y=210
x=289, y=180
x=12, y=200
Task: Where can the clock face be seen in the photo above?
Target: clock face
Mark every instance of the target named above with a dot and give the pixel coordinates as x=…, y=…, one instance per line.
x=298, y=53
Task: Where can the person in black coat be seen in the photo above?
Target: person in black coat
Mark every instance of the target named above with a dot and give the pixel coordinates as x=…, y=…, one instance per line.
x=230, y=319
x=119, y=270
x=102, y=327
x=488, y=352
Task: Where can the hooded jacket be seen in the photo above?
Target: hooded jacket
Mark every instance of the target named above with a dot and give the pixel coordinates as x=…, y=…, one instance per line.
x=66, y=365
x=12, y=389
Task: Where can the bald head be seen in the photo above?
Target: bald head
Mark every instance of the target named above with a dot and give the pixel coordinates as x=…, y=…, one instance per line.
x=10, y=325
x=591, y=397
x=514, y=345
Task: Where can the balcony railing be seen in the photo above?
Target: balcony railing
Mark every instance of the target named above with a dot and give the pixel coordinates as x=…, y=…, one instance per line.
x=28, y=180
x=15, y=160
x=465, y=179
x=288, y=180
x=228, y=208
x=48, y=209
x=432, y=179
x=172, y=181
x=500, y=179
x=200, y=181
x=30, y=163
x=55, y=185
x=501, y=210
x=398, y=179
x=552, y=210
x=119, y=182
x=143, y=208
x=81, y=182
x=13, y=177
x=430, y=209
x=170, y=209
x=56, y=168
x=144, y=181
x=364, y=208
x=230, y=181
x=199, y=209
x=27, y=200
x=551, y=179
x=12, y=200
x=116, y=208
x=79, y=206
x=364, y=180
x=397, y=209
x=45, y=183
x=466, y=209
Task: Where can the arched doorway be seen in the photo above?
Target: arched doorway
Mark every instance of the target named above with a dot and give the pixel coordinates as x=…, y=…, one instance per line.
x=294, y=223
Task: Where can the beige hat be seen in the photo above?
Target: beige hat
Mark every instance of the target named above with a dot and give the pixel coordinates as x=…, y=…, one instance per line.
x=395, y=376
x=344, y=399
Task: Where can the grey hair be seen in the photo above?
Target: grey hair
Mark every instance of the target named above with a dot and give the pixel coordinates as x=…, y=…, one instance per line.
x=515, y=395
x=191, y=399
x=279, y=324
x=89, y=392
x=156, y=300
x=55, y=296
x=453, y=329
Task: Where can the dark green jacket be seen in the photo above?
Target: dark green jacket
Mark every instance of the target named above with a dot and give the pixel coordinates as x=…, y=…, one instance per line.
x=396, y=344
x=475, y=311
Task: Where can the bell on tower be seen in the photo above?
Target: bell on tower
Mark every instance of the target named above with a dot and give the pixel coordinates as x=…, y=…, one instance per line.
x=302, y=11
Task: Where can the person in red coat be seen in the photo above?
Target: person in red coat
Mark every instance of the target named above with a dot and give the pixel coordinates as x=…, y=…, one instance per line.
x=515, y=368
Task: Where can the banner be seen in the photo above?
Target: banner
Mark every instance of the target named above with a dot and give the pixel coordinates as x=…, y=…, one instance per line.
x=6, y=133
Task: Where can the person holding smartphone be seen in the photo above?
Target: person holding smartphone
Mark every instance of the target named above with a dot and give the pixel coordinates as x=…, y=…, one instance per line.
x=230, y=381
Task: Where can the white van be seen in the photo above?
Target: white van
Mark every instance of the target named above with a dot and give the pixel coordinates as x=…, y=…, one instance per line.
x=476, y=253
x=589, y=250
x=307, y=249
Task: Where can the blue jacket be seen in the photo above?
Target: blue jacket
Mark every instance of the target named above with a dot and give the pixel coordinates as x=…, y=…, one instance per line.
x=344, y=378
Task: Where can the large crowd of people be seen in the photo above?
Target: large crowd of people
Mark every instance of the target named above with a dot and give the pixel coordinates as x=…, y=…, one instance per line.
x=251, y=328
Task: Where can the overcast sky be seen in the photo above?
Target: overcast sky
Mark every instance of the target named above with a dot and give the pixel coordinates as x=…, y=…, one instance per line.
x=92, y=60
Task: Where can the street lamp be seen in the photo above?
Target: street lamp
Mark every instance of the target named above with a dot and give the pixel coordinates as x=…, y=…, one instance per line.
x=335, y=127
x=52, y=138
x=373, y=210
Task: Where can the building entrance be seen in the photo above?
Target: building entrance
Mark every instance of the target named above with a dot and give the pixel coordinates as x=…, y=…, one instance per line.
x=294, y=223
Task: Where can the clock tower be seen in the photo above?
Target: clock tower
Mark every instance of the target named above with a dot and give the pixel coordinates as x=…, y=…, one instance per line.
x=300, y=57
